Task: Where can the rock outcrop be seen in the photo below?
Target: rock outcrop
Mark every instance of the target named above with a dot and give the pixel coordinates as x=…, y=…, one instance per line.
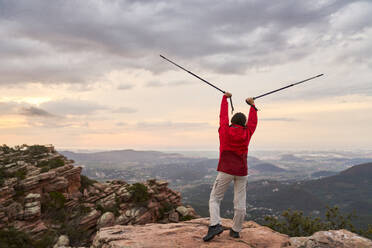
x=187, y=234
x=190, y=233
x=333, y=238
x=42, y=193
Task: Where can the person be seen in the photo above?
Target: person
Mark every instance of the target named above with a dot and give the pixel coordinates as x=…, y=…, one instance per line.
x=232, y=166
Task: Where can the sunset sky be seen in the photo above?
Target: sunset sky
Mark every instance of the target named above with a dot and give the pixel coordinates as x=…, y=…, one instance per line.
x=87, y=74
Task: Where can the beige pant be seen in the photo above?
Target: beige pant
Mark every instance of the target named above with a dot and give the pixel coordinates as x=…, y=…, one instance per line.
x=219, y=188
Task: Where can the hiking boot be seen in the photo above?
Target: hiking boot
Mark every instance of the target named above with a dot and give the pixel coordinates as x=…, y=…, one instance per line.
x=234, y=234
x=213, y=231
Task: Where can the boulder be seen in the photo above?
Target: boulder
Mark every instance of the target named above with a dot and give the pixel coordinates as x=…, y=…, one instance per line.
x=183, y=211
x=63, y=241
x=90, y=220
x=173, y=216
x=107, y=219
x=333, y=238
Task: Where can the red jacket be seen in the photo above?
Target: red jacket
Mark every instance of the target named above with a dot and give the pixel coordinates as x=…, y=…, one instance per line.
x=234, y=142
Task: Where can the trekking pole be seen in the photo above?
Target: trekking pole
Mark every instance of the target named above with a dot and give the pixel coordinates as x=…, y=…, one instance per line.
x=285, y=87
x=205, y=81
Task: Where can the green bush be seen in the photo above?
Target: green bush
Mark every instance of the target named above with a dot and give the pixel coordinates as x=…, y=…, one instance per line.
x=86, y=182
x=20, y=174
x=295, y=224
x=139, y=192
x=6, y=149
x=186, y=218
x=44, y=169
x=19, y=192
x=368, y=232
x=54, y=207
x=2, y=176
x=11, y=238
x=165, y=208
x=51, y=164
x=76, y=235
x=37, y=149
x=114, y=209
x=58, y=200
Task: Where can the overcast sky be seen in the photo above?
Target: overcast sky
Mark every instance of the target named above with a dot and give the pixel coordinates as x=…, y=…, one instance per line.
x=87, y=74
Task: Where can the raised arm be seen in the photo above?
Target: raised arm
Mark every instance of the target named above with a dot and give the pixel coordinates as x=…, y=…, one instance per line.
x=252, y=118
x=224, y=111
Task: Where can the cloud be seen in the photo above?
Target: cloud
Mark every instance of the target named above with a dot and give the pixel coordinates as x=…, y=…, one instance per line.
x=102, y=36
x=125, y=86
x=121, y=124
x=9, y=108
x=24, y=109
x=154, y=84
x=72, y=107
x=165, y=125
x=168, y=84
x=280, y=119
x=37, y=112
x=124, y=110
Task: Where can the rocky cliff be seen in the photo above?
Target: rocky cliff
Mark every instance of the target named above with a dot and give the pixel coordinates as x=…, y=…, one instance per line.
x=46, y=202
x=189, y=234
x=44, y=195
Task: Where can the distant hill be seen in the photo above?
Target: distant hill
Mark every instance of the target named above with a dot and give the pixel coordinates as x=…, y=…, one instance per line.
x=320, y=174
x=267, y=167
x=121, y=156
x=351, y=190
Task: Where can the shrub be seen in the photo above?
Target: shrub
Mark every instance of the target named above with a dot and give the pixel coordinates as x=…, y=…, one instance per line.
x=6, y=149
x=165, y=208
x=37, y=149
x=368, y=232
x=115, y=209
x=11, y=238
x=139, y=192
x=77, y=236
x=58, y=200
x=44, y=169
x=185, y=218
x=51, y=164
x=19, y=192
x=20, y=174
x=54, y=207
x=2, y=176
x=294, y=223
x=86, y=182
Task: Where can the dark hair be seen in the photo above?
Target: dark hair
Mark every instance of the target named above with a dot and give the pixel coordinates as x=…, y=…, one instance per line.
x=239, y=119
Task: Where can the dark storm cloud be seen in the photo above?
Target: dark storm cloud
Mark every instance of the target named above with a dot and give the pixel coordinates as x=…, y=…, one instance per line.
x=79, y=41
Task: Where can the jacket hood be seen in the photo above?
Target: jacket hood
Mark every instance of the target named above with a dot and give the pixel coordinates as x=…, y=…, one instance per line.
x=237, y=134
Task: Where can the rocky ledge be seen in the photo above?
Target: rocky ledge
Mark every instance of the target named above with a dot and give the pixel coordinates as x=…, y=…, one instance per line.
x=190, y=234
x=43, y=194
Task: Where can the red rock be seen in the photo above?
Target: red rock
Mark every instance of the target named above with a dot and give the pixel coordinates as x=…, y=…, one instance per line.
x=187, y=234
x=147, y=217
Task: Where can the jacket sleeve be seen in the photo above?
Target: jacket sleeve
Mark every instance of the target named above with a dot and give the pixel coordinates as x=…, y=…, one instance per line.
x=252, y=120
x=224, y=113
